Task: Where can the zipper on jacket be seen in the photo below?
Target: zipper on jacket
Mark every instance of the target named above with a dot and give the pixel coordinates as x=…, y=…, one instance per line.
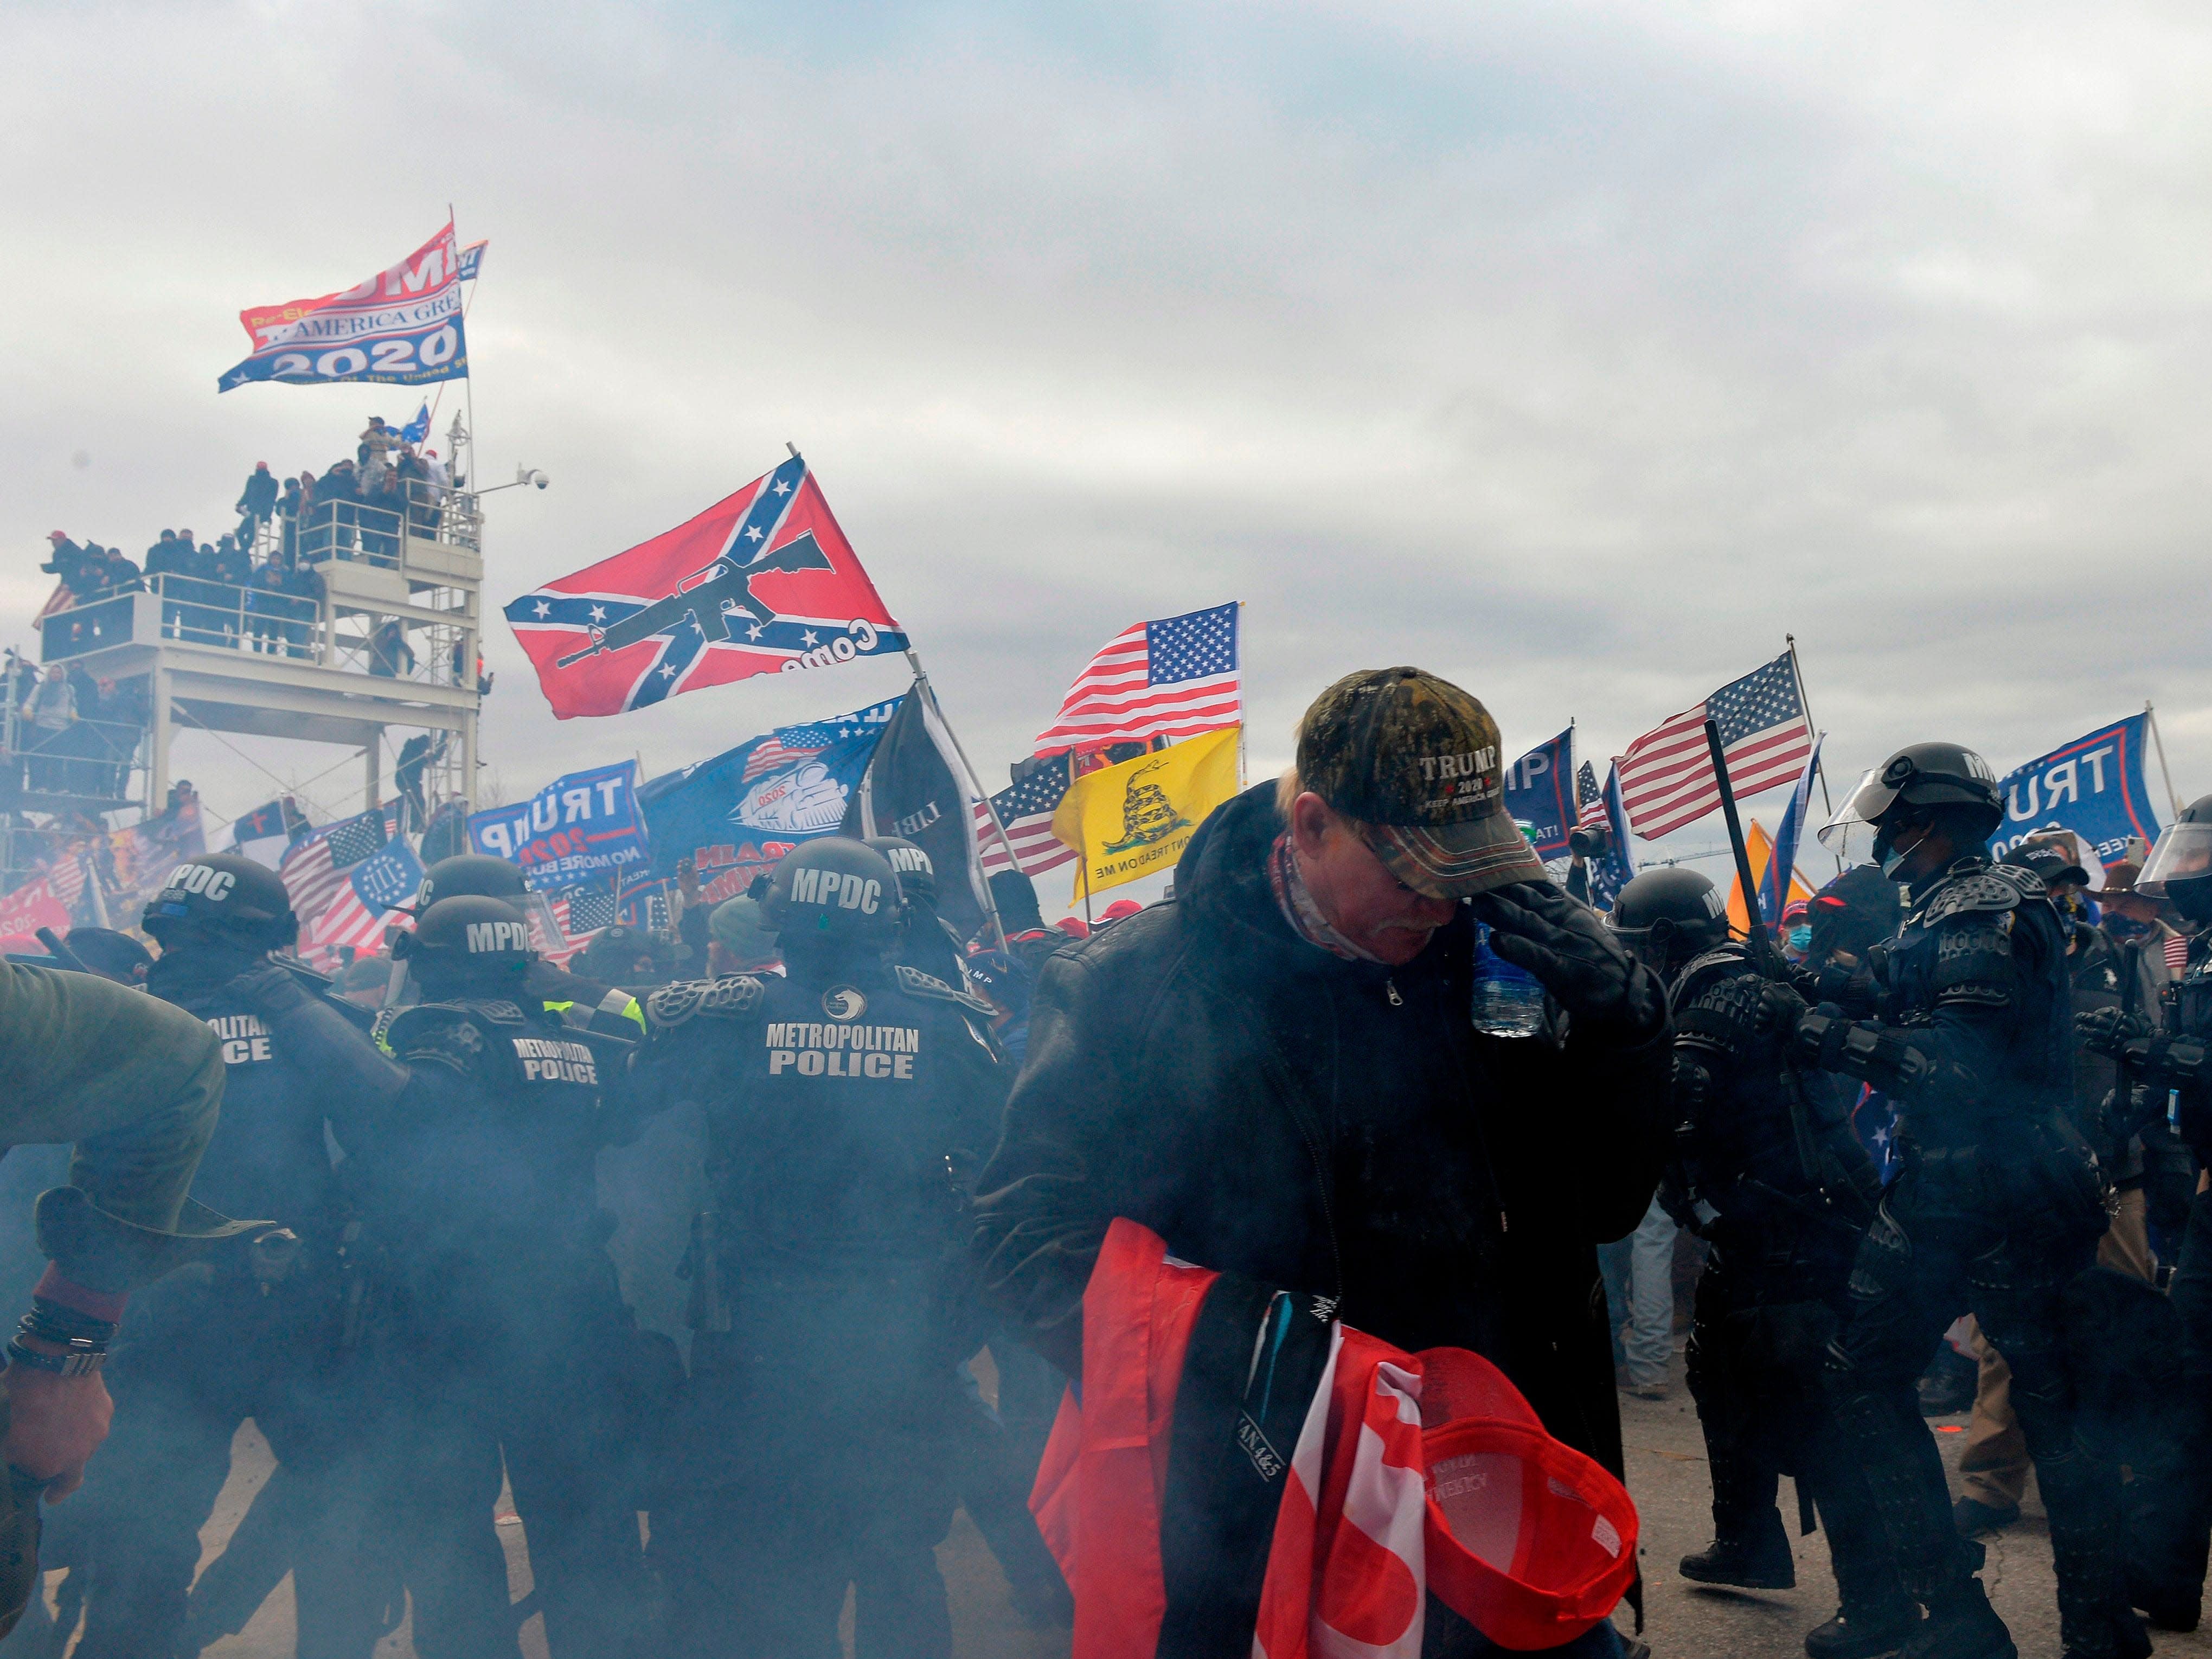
x=1390, y=990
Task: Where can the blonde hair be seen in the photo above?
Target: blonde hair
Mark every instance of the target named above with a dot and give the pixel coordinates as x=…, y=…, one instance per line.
x=1290, y=786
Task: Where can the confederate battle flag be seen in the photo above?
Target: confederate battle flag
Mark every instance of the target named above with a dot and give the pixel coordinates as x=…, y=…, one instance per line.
x=762, y=582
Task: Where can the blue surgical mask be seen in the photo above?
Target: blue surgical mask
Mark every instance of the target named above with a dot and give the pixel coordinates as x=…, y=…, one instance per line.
x=1801, y=938
x=1891, y=860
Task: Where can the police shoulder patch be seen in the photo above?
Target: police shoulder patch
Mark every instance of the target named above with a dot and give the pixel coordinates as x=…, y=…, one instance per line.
x=1979, y=892
x=686, y=999
x=438, y=1034
x=915, y=983
x=1722, y=962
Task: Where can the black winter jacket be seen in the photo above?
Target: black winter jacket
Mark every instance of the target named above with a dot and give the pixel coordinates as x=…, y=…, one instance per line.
x=1330, y=1127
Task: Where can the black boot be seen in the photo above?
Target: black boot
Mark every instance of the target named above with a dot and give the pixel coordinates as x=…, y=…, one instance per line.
x=1877, y=1616
x=1962, y=1625
x=1864, y=1635
x=1752, y=1557
x=2081, y=1494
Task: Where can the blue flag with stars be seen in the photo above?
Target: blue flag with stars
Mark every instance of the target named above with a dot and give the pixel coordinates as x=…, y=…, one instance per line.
x=735, y=815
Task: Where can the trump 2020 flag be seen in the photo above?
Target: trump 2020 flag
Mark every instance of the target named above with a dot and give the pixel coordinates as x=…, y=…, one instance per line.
x=762, y=582
x=1539, y=795
x=2093, y=787
x=401, y=327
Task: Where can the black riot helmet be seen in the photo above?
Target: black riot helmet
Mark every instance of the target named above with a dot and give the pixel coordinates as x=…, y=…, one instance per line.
x=470, y=872
x=1667, y=916
x=225, y=898
x=2180, y=868
x=1921, y=783
x=832, y=892
x=917, y=876
x=464, y=941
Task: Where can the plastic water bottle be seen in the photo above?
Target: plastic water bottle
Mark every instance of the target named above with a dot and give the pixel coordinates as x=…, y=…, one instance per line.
x=1509, y=1001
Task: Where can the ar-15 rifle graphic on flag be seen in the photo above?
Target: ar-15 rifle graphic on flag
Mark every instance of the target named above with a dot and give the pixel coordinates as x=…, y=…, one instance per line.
x=762, y=582
x=708, y=598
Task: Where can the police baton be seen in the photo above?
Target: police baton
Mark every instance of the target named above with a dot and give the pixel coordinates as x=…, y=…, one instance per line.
x=60, y=951
x=1764, y=957
x=1761, y=947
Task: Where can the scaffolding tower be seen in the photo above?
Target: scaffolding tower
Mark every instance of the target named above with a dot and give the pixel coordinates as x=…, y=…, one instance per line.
x=374, y=630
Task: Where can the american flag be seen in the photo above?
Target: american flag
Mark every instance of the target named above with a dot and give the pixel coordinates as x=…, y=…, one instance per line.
x=585, y=911
x=355, y=915
x=313, y=870
x=579, y=913
x=1026, y=811
x=1172, y=678
x=2177, y=954
x=1599, y=809
x=64, y=875
x=791, y=743
x=1667, y=776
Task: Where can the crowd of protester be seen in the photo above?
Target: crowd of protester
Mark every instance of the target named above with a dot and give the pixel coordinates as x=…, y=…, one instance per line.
x=76, y=733
x=257, y=585
x=685, y=1258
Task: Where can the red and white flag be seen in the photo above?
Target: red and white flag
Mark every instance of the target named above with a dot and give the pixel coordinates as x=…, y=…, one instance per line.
x=1026, y=811
x=762, y=582
x=1667, y=777
x=1171, y=678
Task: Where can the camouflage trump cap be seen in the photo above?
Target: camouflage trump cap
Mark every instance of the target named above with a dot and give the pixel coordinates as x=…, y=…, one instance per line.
x=1416, y=759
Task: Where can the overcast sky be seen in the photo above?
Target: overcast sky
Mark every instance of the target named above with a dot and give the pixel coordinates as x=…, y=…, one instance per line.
x=1576, y=351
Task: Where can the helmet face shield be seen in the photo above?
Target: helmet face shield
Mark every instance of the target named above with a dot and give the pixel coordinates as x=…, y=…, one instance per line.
x=1851, y=832
x=2184, y=853
x=545, y=936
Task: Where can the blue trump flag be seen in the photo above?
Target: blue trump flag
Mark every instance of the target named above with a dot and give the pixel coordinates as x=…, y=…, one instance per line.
x=735, y=815
x=576, y=827
x=1539, y=795
x=2093, y=786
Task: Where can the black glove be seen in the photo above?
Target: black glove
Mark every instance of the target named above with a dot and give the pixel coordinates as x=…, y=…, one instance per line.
x=2102, y=1030
x=1780, y=1009
x=1538, y=928
x=1818, y=1036
x=270, y=991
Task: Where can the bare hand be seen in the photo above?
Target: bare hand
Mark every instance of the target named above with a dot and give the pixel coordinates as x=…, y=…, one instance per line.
x=55, y=1424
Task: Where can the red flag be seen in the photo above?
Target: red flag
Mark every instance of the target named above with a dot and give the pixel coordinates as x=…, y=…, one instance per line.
x=23, y=912
x=761, y=582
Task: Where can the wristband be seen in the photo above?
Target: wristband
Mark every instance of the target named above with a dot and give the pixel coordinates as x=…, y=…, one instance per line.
x=58, y=1322
x=82, y=1360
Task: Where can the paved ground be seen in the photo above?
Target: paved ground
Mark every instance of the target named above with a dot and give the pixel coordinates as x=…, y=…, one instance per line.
x=1666, y=1474
x=1667, y=1477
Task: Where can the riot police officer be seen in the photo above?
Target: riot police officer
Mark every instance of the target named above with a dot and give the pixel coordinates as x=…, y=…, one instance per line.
x=843, y=1103
x=926, y=940
x=1768, y=1173
x=261, y=1334
x=606, y=1009
x=1998, y=1208
x=2167, y=1082
x=509, y=1335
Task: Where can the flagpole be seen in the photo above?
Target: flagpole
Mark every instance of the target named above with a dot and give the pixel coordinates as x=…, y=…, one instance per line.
x=2151, y=714
x=1820, y=761
x=1797, y=673
x=929, y=693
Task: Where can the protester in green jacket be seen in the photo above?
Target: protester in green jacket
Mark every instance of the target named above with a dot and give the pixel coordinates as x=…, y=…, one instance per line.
x=135, y=1084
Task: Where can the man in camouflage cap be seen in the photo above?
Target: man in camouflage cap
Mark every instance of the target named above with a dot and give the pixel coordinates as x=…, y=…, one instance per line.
x=1277, y=1071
